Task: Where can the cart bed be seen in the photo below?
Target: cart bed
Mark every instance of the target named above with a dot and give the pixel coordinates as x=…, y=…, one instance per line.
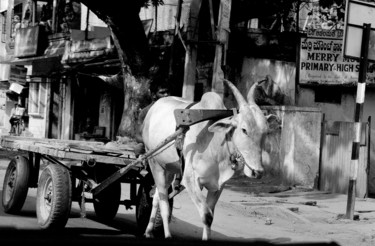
x=74, y=150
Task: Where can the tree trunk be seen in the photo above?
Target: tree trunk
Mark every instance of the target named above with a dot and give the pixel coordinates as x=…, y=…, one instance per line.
x=136, y=97
x=132, y=47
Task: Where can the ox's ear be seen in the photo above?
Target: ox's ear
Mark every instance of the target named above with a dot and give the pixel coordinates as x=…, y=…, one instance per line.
x=225, y=125
x=274, y=123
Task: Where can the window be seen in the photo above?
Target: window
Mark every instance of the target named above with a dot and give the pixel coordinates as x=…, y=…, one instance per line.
x=3, y=26
x=70, y=16
x=16, y=20
x=37, y=97
x=44, y=13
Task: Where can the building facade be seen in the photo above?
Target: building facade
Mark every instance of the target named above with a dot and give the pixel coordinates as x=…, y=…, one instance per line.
x=57, y=75
x=50, y=49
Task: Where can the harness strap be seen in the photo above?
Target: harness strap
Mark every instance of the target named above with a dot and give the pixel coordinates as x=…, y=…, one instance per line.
x=179, y=143
x=236, y=159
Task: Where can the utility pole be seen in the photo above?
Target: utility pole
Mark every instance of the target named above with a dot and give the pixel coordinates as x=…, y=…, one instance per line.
x=191, y=51
x=360, y=99
x=222, y=46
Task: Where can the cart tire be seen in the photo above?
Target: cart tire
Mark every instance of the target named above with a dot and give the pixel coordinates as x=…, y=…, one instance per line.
x=54, y=197
x=107, y=202
x=15, y=185
x=144, y=207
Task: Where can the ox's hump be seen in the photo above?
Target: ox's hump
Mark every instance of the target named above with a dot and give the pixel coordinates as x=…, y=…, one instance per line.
x=173, y=100
x=212, y=100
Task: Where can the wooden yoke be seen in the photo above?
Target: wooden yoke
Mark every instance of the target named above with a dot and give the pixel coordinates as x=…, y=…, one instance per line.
x=188, y=117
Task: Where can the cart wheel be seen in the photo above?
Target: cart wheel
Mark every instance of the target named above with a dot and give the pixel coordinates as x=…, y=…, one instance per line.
x=144, y=207
x=54, y=197
x=107, y=202
x=15, y=185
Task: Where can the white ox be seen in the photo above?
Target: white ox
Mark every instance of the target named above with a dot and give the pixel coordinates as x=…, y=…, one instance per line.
x=208, y=149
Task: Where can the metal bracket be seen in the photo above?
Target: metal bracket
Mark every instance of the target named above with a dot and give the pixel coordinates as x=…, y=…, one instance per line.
x=188, y=117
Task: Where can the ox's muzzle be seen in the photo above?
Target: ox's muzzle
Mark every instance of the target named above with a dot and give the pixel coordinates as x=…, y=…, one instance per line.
x=257, y=174
x=252, y=173
x=248, y=170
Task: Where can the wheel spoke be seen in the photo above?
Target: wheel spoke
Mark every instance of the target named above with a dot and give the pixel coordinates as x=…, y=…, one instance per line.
x=47, y=201
x=10, y=184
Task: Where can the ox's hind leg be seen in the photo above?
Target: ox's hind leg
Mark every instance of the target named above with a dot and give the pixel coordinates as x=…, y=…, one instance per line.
x=205, y=205
x=151, y=223
x=162, y=180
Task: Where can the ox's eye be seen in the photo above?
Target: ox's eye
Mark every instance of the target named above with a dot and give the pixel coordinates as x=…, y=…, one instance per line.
x=244, y=131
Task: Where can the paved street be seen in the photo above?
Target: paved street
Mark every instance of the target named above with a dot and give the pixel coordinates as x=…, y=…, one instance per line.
x=293, y=216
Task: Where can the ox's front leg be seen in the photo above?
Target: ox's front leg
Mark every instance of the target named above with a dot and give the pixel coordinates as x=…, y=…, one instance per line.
x=205, y=205
x=212, y=198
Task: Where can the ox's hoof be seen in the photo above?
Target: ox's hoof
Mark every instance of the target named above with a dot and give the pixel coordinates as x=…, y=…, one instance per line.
x=148, y=235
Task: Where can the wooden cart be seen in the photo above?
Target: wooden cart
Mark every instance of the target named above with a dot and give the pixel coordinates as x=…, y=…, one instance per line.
x=70, y=169
x=73, y=169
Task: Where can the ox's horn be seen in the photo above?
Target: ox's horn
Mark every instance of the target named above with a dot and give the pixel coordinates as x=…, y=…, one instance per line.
x=237, y=94
x=250, y=94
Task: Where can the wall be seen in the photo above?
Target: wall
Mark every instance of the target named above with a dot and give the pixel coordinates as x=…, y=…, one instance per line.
x=166, y=15
x=338, y=112
x=67, y=110
x=39, y=123
x=336, y=151
x=37, y=127
x=284, y=74
x=4, y=75
x=93, y=19
x=292, y=154
x=4, y=68
x=345, y=112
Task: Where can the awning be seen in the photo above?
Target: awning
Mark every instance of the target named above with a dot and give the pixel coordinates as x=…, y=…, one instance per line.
x=30, y=60
x=42, y=65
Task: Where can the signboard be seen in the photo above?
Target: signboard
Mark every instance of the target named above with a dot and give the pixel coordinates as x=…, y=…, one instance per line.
x=82, y=50
x=28, y=42
x=322, y=59
x=359, y=13
x=321, y=62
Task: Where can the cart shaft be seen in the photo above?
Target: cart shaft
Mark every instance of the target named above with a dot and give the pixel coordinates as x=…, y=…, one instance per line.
x=121, y=172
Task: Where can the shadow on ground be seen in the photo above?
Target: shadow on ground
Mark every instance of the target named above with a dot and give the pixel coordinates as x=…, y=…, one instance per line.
x=273, y=187
x=121, y=230
x=71, y=236
x=125, y=233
